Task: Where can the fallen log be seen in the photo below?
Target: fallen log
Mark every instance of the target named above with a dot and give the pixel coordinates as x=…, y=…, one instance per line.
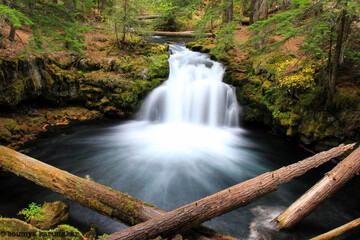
x=176, y=34
x=338, y=231
x=145, y=17
x=225, y=201
x=119, y=206
x=325, y=188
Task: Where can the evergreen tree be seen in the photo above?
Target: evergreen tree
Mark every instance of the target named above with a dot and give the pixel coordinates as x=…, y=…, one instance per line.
x=14, y=18
x=52, y=23
x=122, y=19
x=321, y=23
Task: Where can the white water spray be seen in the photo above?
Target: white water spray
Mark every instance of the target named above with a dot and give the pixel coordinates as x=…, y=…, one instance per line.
x=193, y=94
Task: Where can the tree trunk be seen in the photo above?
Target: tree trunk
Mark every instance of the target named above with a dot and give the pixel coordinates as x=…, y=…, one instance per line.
x=229, y=11
x=225, y=201
x=338, y=231
x=254, y=17
x=325, y=188
x=119, y=206
x=339, y=41
x=252, y=9
x=12, y=32
x=124, y=21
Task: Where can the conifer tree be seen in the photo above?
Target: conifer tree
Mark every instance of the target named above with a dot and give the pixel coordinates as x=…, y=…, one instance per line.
x=122, y=19
x=50, y=22
x=323, y=24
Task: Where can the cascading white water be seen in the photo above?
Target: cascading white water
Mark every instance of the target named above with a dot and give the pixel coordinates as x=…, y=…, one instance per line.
x=187, y=131
x=190, y=114
x=194, y=93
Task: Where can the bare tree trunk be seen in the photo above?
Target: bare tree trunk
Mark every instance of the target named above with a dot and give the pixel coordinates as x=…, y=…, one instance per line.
x=229, y=11
x=326, y=187
x=225, y=201
x=339, y=42
x=252, y=10
x=124, y=19
x=255, y=17
x=338, y=231
x=119, y=206
x=12, y=32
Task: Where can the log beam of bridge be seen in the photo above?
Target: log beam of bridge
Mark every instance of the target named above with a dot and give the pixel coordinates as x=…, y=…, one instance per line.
x=176, y=34
x=146, y=17
x=119, y=206
x=225, y=201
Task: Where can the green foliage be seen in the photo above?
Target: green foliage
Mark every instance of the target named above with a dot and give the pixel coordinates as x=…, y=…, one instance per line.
x=54, y=26
x=122, y=20
x=315, y=20
x=59, y=24
x=174, y=14
x=225, y=41
x=212, y=11
x=32, y=211
x=14, y=16
x=103, y=236
x=299, y=81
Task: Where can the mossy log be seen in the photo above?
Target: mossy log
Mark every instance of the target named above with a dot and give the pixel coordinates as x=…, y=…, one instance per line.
x=225, y=201
x=338, y=231
x=119, y=206
x=325, y=188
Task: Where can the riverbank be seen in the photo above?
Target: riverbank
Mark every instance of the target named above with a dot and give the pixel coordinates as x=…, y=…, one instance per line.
x=40, y=91
x=290, y=96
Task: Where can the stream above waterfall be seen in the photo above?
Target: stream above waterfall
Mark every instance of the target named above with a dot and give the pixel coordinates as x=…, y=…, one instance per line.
x=186, y=144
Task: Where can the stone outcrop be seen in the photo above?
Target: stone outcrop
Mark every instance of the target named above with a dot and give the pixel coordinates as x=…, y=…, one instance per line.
x=59, y=88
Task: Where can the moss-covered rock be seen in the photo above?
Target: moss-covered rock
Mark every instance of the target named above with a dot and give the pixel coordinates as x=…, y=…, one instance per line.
x=26, y=126
x=51, y=215
x=11, y=228
x=289, y=98
x=114, y=85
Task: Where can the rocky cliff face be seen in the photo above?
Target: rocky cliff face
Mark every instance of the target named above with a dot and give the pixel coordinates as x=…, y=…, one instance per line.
x=112, y=86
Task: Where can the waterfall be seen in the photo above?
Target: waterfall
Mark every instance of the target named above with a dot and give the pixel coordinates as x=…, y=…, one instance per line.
x=194, y=93
x=187, y=134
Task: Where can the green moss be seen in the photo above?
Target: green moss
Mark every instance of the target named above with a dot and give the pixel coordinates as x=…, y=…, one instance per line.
x=159, y=67
x=347, y=98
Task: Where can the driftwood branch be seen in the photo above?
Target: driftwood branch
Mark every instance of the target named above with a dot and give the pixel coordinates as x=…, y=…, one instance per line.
x=119, y=206
x=326, y=187
x=225, y=201
x=338, y=231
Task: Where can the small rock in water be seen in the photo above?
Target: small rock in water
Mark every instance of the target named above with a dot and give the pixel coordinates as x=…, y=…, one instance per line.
x=262, y=227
